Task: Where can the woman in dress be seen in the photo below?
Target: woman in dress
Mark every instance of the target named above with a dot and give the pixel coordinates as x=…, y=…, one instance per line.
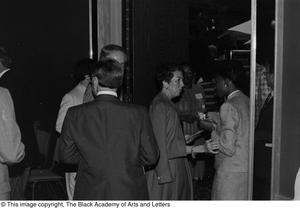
x=170, y=179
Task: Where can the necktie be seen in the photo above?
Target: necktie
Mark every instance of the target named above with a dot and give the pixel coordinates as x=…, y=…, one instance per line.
x=268, y=99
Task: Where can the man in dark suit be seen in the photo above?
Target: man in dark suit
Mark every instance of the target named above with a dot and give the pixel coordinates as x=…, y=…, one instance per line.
x=263, y=146
x=112, y=142
x=22, y=99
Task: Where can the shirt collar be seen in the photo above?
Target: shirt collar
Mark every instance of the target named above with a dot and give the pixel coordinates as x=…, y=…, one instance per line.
x=232, y=94
x=3, y=72
x=106, y=92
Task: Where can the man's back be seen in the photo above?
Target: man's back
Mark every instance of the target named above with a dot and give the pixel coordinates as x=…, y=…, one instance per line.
x=113, y=142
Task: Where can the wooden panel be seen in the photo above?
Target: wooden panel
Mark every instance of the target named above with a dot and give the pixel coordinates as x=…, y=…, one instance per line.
x=287, y=100
x=252, y=95
x=109, y=23
x=277, y=99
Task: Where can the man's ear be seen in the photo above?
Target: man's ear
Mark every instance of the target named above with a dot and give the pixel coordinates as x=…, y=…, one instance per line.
x=165, y=84
x=94, y=80
x=227, y=82
x=95, y=84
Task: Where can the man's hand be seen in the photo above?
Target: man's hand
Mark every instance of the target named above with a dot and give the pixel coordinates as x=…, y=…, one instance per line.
x=213, y=146
x=188, y=139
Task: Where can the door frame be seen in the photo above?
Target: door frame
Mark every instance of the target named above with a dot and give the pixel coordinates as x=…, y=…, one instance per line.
x=275, y=171
x=252, y=95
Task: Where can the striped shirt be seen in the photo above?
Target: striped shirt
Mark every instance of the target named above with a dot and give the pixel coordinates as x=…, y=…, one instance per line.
x=191, y=102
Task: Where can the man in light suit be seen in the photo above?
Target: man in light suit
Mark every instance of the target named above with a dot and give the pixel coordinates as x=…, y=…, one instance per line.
x=11, y=147
x=73, y=98
x=17, y=85
x=110, y=141
x=232, y=134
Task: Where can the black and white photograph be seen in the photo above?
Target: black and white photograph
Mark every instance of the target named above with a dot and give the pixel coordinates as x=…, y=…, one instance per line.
x=156, y=101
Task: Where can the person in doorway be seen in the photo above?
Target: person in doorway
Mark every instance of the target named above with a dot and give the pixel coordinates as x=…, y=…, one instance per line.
x=233, y=134
x=263, y=145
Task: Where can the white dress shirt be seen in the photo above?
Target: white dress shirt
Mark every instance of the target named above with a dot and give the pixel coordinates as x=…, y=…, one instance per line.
x=107, y=92
x=72, y=98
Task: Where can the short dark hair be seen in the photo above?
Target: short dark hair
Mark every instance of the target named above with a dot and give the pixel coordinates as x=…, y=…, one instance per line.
x=82, y=68
x=4, y=58
x=106, y=50
x=109, y=74
x=231, y=70
x=165, y=73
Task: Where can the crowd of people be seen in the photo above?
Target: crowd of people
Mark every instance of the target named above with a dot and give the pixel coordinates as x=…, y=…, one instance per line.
x=122, y=151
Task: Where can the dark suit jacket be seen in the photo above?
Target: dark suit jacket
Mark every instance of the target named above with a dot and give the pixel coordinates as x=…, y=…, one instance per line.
x=263, y=135
x=169, y=137
x=264, y=127
x=23, y=104
x=111, y=141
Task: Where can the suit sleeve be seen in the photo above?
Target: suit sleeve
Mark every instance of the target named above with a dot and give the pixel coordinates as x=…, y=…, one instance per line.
x=149, y=149
x=158, y=119
x=12, y=150
x=68, y=151
x=228, y=136
x=66, y=103
x=263, y=130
